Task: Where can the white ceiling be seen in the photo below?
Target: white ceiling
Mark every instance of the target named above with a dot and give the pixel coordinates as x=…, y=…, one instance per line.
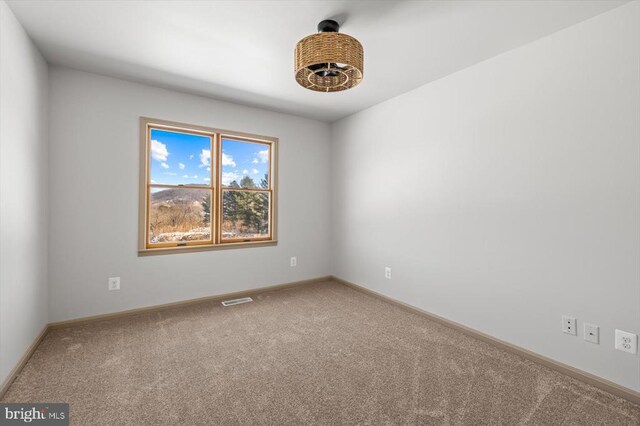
x=242, y=51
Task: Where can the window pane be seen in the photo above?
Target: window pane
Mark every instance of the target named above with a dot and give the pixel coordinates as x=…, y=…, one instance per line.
x=179, y=215
x=179, y=158
x=245, y=164
x=245, y=214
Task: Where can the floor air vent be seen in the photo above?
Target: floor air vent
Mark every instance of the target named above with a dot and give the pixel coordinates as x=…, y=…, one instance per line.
x=237, y=301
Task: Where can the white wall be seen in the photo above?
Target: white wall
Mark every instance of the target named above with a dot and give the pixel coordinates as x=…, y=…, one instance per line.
x=94, y=138
x=23, y=191
x=507, y=194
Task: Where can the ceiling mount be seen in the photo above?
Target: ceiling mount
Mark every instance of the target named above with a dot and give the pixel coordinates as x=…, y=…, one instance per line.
x=328, y=61
x=328, y=26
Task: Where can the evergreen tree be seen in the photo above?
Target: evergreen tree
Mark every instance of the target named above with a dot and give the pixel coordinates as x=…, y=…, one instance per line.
x=247, y=209
x=247, y=182
x=230, y=204
x=263, y=223
x=206, y=208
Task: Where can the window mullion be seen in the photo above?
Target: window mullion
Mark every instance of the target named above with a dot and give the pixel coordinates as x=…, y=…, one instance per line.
x=218, y=190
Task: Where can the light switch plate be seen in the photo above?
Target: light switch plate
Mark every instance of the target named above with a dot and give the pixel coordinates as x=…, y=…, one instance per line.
x=592, y=333
x=626, y=342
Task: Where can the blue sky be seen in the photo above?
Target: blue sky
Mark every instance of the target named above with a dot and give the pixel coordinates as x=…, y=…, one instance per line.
x=180, y=158
x=244, y=158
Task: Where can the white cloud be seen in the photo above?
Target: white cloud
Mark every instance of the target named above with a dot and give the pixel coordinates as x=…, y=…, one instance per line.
x=164, y=165
x=255, y=171
x=181, y=166
x=207, y=179
x=185, y=176
x=255, y=161
x=245, y=172
x=170, y=173
x=153, y=181
x=227, y=160
x=195, y=176
x=263, y=156
x=208, y=169
x=191, y=157
x=228, y=177
x=159, y=151
x=205, y=158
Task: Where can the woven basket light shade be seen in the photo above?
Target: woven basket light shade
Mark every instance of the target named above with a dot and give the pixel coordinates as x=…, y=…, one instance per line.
x=329, y=61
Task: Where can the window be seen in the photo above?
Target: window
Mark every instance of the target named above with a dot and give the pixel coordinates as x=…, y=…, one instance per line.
x=204, y=188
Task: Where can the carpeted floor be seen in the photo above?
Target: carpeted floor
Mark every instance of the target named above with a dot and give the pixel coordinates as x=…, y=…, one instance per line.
x=318, y=354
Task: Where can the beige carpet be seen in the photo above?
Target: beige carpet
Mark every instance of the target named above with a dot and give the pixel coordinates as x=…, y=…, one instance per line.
x=319, y=354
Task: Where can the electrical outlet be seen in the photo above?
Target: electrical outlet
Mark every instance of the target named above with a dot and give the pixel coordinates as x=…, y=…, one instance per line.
x=626, y=342
x=569, y=325
x=591, y=333
x=387, y=272
x=294, y=261
x=114, y=283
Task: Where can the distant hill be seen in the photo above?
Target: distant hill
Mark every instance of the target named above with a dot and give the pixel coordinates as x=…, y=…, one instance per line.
x=183, y=195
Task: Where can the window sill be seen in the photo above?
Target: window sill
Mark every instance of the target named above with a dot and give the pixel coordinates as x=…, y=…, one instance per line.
x=190, y=249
